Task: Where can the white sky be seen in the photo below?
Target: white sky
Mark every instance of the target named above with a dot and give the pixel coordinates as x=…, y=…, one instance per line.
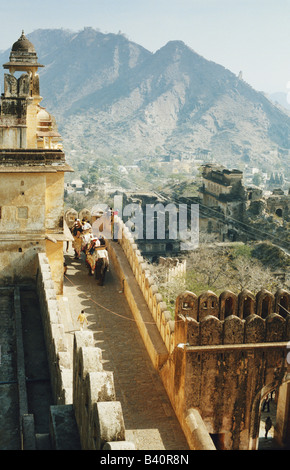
x=248, y=35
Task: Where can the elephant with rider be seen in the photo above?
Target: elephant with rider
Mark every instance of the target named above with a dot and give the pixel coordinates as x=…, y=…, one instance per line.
x=97, y=259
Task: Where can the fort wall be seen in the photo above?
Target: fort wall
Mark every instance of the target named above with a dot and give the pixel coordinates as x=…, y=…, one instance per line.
x=152, y=296
x=213, y=319
x=98, y=414
x=217, y=358
x=57, y=348
x=224, y=353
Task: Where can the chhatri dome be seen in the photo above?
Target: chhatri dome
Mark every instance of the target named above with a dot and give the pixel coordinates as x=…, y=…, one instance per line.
x=23, y=56
x=23, y=44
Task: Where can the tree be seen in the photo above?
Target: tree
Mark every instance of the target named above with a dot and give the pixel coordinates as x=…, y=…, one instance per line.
x=207, y=270
x=169, y=289
x=252, y=275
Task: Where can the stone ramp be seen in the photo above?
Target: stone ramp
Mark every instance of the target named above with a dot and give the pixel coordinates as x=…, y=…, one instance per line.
x=150, y=421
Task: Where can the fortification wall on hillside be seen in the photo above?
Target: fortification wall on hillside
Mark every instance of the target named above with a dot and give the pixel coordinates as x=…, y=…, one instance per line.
x=149, y=289
x=224, y=319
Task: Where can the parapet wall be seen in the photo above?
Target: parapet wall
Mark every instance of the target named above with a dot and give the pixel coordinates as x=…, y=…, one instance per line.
x=224, y=319
x=232, y=319
x=56, y=345
x=98, y=415
x=210, y=330
x=154, y=300
x=175, y=268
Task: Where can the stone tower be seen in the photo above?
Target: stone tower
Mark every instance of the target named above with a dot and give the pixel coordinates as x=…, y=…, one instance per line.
x=32, y=167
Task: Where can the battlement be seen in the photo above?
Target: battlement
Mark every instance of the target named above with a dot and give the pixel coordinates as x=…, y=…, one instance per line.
x=232, y=319
x=209, y=319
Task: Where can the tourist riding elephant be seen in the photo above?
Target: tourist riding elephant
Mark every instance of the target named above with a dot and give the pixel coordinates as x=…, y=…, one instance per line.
x=97, y=260
x=87, y=236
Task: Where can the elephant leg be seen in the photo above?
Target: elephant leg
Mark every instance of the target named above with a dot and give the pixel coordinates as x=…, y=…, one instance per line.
x=98, y=270
x=103, y=272
x=90, y=273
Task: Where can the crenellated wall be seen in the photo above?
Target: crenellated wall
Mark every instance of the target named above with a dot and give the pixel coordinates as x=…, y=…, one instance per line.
x=230, y=352
x=175, y=269
x=154, y=300
x=224, y=354
x=232, y=319
x=227, y=313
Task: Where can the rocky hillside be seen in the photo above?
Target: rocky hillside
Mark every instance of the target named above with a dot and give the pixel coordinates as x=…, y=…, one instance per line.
x=113, y=97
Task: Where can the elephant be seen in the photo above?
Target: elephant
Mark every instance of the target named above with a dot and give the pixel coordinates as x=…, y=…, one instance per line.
x=102, y=266
x=97, y=260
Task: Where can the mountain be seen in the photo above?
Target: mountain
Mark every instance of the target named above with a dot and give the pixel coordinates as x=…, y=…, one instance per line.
x=111, y=96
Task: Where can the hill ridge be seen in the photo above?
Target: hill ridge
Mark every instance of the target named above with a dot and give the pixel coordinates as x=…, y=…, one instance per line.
x=118, y=97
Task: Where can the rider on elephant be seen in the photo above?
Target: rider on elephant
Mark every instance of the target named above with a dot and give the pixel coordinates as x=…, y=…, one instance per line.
x=86, y=235
x=92, y=255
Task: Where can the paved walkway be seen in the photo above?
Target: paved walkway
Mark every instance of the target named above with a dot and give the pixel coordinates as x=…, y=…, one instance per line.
x=150, y=421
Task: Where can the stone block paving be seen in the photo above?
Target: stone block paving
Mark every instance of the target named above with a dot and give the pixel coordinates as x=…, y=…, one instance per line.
x=150, y=421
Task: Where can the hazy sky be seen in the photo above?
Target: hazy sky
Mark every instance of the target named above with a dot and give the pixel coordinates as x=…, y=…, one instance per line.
x=248, y=35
